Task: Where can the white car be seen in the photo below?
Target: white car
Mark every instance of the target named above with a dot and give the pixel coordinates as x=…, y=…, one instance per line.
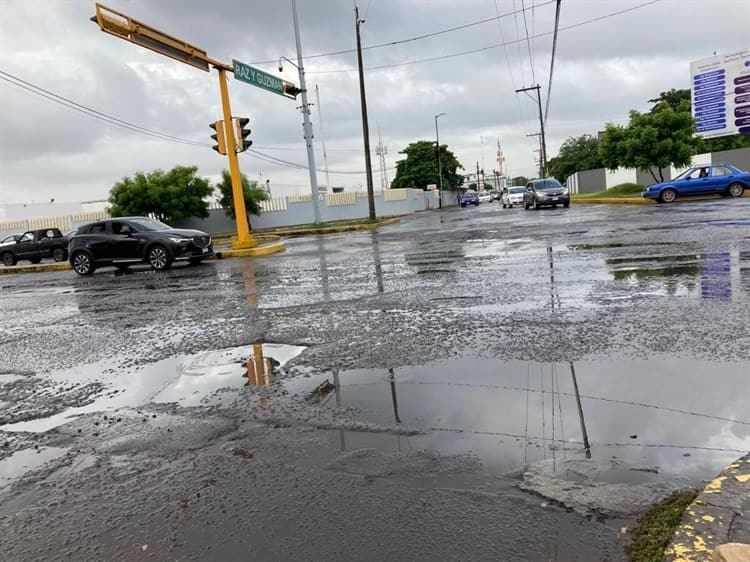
x=513, y=196
x=484, y=196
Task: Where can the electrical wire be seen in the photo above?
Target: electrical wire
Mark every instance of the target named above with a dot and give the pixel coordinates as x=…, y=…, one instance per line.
x=489, y=47
x=408, y=39
x=552, y=58
x=90, y=112
x=528, y=42
x=101, y=116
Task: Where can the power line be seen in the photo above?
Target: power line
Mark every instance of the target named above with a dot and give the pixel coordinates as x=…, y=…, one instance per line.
x=109, y=119
x=408, y=39
x=490, y=47
x=90, y=112
x=528, y=42
x=552, y=58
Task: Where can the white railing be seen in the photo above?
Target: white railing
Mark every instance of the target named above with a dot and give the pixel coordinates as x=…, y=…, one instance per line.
x=61, y=222
x=339, y=199
x=88, y=217
x=395, y=195
x=274, y=205
x=14, y=226
x=299, y=198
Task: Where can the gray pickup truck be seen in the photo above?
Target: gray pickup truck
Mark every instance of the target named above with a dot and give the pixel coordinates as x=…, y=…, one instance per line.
x=35, y=245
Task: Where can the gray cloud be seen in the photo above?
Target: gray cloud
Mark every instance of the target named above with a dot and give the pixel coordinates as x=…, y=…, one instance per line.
x=603, y=69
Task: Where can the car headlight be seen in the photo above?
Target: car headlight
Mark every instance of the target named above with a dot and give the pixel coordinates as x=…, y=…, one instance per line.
x=565, y=191
x=176, y=240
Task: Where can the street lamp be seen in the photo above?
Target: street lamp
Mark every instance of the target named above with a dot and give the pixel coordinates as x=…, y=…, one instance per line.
x=440, y=166
x=306, y=124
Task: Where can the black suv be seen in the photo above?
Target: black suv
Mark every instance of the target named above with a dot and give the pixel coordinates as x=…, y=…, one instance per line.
x=125, y=241
x=545, y=192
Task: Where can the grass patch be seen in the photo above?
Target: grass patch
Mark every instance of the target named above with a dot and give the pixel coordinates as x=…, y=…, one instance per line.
x=655, y=528
x=621, y=190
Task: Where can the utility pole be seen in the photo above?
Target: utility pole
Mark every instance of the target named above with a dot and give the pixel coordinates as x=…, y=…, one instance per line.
x=365, y=126
x=543, y=159
x=323, y=140
x=478, y=188
x=440, y=164
x=306, y=125
x=539, y=150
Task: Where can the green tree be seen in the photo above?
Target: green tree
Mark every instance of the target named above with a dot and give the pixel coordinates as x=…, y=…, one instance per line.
x=576, y=154
x=173, y=195
x=253, y=194
x=657, y=139
x=519, y=180
x=419, y=168
x=674, y=98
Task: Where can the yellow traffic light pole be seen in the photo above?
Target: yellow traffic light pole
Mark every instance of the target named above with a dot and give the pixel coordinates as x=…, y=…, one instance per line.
x=124, y=27
x=244, y=238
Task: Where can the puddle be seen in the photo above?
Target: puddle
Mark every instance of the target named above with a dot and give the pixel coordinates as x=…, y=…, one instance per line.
x=27, y=460
x=675, y=416
x=186, y=380
x=717, y=276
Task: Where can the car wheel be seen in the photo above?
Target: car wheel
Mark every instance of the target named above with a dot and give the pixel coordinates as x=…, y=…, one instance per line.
x=159, y=258
x=537, y=206
x=9, y=259
x=82, y=263
x=668, y=195
x=59, y=254
x=35, y=260
x=504, y=205
x=566, y=205
x=736, y=189
x=511, y=205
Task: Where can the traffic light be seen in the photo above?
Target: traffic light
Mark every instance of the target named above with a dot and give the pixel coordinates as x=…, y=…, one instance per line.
x=290, y=90
x=219, y=137
x=241, y=134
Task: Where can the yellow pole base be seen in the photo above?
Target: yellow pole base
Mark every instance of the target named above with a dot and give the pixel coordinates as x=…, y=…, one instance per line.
x=244, y=244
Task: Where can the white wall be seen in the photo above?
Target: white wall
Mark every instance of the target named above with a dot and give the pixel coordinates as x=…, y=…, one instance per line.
x=698, y=160
x=621, y=175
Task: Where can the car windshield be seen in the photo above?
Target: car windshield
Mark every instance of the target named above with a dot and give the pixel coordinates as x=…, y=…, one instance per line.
x=149, y=224
x=516, y=190
x=547, y=184
x=685, y=174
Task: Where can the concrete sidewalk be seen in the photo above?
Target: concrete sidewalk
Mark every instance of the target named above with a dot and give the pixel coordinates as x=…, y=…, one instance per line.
x=719, y=515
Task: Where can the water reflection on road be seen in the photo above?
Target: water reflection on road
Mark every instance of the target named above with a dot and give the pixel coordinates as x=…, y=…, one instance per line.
x=511, y=413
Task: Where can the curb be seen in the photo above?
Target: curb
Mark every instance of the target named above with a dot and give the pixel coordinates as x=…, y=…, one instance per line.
x=60, y=266
x=708, y=520
x=262, y=250
x=335, y=229
x=616, y=200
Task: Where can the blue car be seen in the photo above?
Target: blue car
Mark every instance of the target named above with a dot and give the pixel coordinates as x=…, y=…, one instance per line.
x=468, y=198
x=723, y=179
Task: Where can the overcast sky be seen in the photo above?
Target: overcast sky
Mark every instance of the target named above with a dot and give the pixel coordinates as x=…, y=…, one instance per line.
x=602, y=69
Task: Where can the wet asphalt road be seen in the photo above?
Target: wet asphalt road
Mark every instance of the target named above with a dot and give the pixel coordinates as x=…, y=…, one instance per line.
x=406, y=378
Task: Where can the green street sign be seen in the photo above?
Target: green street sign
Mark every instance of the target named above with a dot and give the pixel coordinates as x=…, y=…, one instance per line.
x=251, y=75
